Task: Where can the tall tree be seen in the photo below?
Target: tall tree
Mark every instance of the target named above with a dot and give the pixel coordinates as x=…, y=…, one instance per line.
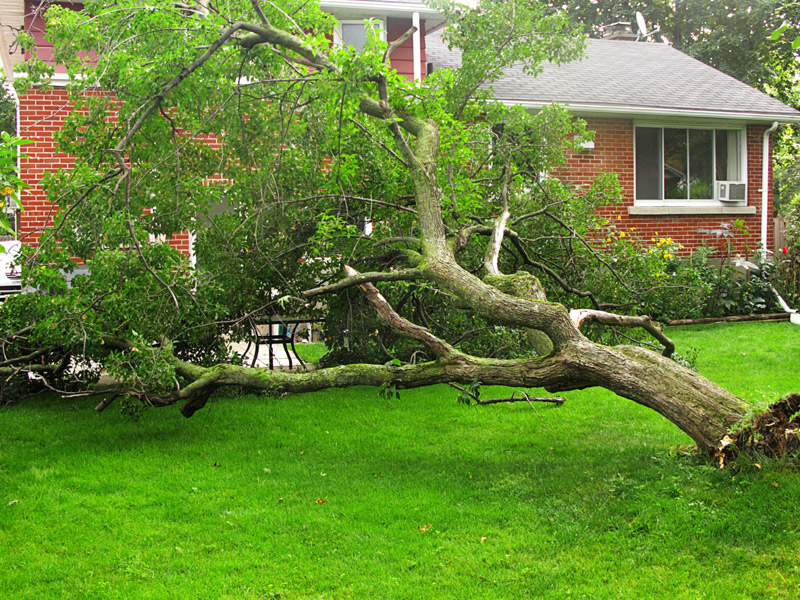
x=238, y=117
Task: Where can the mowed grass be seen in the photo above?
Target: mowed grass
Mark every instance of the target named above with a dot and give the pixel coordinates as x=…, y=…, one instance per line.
x=340, y=494
x=311, y=352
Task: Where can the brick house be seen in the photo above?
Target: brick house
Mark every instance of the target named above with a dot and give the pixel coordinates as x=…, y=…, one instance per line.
x=691, y=145
x=688, y=142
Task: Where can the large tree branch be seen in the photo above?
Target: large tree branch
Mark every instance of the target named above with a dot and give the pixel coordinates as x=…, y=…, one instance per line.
x=392, y=46
x=267, y=34
x=492, y=256
x=582, y=316
x=403, y=326
x=356, y=278
x=701, y=409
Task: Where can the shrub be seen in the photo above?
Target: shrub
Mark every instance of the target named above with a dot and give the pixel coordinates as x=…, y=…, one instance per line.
x=787, y=273
x=655, y=276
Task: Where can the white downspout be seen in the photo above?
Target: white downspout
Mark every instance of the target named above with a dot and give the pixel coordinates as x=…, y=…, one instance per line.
x=765, y=190
x=417, y=42
x=794, y=317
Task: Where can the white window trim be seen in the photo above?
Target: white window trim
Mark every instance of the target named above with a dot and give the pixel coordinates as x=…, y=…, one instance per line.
x=698, y=203
x=338, y=40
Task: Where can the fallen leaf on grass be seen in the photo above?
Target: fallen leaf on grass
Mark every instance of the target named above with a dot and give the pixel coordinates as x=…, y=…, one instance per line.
x=483, y=539
x=321, y=501
x=13, y=502
x=775, y=483
x=424, y=528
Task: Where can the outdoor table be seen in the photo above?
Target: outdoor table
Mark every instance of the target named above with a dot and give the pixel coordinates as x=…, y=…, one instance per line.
x=285, y=337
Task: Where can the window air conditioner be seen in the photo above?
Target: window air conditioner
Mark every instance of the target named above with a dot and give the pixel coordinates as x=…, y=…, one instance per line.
x=731, y=191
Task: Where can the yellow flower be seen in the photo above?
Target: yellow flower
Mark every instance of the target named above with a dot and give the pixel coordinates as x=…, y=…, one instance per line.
x=668, y=255
x=7, y=190
x=653, y=240
x=633, y=228
x=622, y=234
x=619, y=217
x=608, y=240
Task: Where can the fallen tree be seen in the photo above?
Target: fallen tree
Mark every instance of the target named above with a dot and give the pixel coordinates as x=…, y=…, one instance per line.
x=279, y=149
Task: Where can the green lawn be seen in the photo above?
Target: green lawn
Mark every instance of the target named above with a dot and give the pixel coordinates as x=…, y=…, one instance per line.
x=339, y=494
x=311, y=352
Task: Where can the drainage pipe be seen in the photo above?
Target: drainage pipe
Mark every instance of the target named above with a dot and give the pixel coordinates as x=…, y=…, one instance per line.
x=793, y=313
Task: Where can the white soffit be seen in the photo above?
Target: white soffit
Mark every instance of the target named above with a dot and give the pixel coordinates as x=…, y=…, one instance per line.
x=363, y=9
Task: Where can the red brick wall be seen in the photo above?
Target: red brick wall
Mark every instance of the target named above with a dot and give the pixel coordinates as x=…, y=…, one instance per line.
x=41, y=114
x=613, y=152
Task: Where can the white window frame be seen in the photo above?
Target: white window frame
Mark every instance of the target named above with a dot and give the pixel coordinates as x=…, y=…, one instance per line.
x=338, y=39
x=685, y=202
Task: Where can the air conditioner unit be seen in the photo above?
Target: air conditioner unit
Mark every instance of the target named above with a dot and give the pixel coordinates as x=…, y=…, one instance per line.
x=731, y=191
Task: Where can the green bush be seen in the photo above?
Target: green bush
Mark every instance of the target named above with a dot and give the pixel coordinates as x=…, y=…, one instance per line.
x=656, y=277
x=787, y=273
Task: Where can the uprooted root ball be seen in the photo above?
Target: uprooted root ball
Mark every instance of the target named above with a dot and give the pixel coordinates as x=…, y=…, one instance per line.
x=771, y=433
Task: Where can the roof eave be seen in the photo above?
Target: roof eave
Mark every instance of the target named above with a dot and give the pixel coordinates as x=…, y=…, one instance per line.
x=367, y=8
x=581, y=109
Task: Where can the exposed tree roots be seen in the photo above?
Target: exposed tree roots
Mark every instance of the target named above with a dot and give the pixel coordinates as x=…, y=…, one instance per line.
x=772, y=433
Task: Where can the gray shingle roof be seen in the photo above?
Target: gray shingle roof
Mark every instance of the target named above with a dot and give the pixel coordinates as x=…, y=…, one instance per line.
x=635, y=78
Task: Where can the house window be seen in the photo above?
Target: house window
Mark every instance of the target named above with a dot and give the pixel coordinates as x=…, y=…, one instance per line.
x=681, y=165
x=353, y=34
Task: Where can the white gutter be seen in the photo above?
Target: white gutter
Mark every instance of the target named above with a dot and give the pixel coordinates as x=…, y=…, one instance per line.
x=640, y=111
x=765, y=189
x=417, y=47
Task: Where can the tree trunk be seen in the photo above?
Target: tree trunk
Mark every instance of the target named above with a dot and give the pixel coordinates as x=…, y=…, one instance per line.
x=699, y=407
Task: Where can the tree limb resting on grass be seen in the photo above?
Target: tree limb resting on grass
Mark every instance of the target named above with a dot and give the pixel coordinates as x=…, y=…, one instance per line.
x=558, y=400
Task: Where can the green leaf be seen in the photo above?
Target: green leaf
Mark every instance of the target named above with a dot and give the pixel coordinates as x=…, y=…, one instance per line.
x=779, y=31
